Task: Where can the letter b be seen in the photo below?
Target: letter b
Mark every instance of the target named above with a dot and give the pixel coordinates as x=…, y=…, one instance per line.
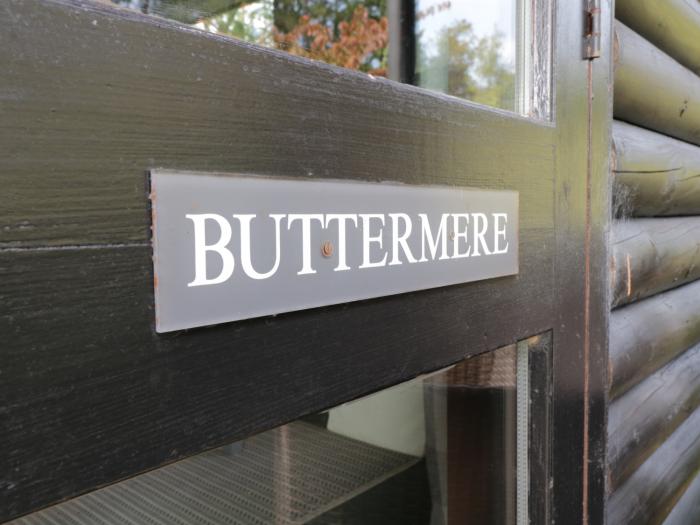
x=201, y=249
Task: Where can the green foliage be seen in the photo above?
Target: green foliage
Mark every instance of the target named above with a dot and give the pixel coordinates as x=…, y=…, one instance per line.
x=466, y=66
x=287, y=13
x=274, y=22
x=251, y=22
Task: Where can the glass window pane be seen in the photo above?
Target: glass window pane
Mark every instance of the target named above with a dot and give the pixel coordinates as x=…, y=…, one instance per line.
x=478, y=50
x=468, y=49
x=446, y=448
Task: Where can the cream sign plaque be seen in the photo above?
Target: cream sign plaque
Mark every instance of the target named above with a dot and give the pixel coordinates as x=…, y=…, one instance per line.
x=229, y=247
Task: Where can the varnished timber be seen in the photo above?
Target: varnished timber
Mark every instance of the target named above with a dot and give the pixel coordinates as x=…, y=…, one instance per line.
x=80, y=130
x=652, y=490
x=654, y=420
x=654, y=175
x=687, y=510
x=582, y=222
x=671, y=25
x=653, y=255
x=92, y=98
x=86, y=381
x=653, y=90
x=640, y=420
x=648, y=334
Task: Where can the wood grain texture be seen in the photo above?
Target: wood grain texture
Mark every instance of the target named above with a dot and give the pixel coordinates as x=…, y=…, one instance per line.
x=92, y=98
x=583, y=116
x=671, y=25
x=650, y=256
x=87, y=382
x=540, y=418
x=654, y=175
x=596, y=302
x=653, y=90
x=640, y=420
x=652, y=491
x=646, y=335
x=80, y=130
x=654, y=420
x=687, y=510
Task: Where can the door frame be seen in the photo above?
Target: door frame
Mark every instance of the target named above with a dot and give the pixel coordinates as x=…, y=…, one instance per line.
x=97, y=96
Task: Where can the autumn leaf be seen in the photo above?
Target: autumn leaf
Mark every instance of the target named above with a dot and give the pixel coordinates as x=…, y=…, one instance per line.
x=357, y=40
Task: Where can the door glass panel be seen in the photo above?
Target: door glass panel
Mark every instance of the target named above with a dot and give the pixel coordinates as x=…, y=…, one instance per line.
x=479, y=50
x=446, y=448
x=468, y=49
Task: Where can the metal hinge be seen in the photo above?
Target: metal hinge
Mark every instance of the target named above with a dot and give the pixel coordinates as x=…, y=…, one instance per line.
x=591, y=29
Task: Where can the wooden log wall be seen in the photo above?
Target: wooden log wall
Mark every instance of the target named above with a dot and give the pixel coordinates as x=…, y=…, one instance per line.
x=688, y=507
x=650, y=256
x=646, y=415
x=648, y=496
x=654, y=91
x=673, y=26
x=654, y=175
x=646, y=335
x=654, y=413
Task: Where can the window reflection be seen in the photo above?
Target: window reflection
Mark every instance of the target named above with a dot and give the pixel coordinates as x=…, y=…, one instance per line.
x=472, y=49
x=438, y=450
x=467, y=49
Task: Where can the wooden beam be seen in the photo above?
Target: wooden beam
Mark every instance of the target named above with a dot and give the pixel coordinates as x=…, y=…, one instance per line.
x=650, y=256
x=653, y=90
x=646, y=335
x=687, y=510
x=654, y=175
x=651, y=492
x=77, y=141
x=86, y=381
x=645, y=416
x=671, y=25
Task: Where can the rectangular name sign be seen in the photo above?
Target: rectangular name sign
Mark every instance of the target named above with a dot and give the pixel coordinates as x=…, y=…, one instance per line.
x=230, y=247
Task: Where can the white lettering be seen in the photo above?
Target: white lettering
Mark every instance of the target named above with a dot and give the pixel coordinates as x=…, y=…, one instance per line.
x=479, y=233
x=433, y=242
x=341, y=218
x=400, y=240
x=246, y=261
x=305, y=219
x=367, y=240
x=456, y=254
x=499, y=232
x=201, y=249
x=440, y=238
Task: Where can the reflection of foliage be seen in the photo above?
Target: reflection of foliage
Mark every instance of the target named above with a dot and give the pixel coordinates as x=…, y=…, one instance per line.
x=186, y=11
x=288, y=13
x=250, y=22
x=354, y=45
x=467, y=66
x=351, y=34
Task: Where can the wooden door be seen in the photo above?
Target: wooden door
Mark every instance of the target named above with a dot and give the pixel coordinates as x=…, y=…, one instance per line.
x=93, y=97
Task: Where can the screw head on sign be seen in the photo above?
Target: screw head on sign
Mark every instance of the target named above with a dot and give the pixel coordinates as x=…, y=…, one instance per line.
x=327, y=249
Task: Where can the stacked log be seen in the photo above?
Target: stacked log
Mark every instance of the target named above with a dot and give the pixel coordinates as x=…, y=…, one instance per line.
x=671, y=25
x=654, y=175
x=650, y=256
x=652, y=490
x=687, y=510
x=654, y=415
x=641, y=420
x=646, y=335
x=654, y=91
